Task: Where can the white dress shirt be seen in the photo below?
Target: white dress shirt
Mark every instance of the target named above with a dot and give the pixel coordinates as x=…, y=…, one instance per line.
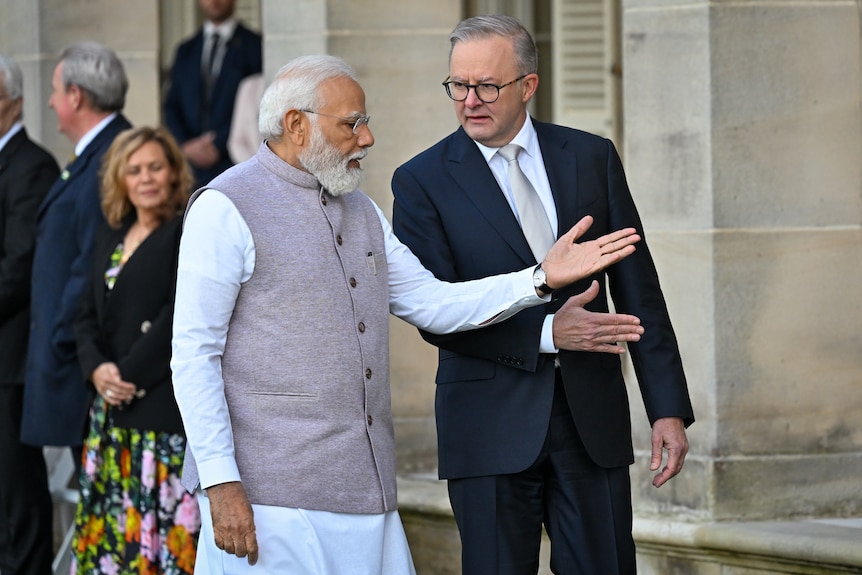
x=533, y=166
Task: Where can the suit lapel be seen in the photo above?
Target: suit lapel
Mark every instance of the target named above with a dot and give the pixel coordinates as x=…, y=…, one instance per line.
x=194, y=75
x=231, y=62
x=561, y=165
x=472, y=174
x=103, y=259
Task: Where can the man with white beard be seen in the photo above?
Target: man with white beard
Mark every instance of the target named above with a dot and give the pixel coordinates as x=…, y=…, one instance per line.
x=280, y=361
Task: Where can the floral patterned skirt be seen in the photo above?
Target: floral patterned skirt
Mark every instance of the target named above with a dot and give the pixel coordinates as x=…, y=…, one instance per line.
x=133, y=514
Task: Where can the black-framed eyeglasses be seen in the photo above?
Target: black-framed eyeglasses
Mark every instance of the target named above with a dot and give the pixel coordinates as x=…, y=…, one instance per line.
x=488, y=93
x=355, y=122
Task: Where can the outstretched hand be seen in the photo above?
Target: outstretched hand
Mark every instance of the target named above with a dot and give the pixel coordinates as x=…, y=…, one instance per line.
x=577, y=329
x=568, y=262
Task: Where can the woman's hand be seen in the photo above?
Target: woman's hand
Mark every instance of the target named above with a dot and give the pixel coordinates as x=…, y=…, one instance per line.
x=110, y=385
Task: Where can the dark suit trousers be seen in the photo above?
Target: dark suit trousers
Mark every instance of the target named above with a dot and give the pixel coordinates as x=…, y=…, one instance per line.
x=586, y=511
x=26, y=544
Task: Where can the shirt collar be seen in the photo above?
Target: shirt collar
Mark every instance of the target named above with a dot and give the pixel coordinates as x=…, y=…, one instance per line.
x=526, y=138
x=91, y=135
x=225, y=29
x=16, y=127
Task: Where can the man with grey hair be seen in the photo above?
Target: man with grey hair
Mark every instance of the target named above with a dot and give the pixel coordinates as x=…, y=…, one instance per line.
x=26, y=172
x=88, y=93
x=286, y=276
x=546, y=439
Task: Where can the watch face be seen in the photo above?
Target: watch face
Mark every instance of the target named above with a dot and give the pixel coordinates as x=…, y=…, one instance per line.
x=539, y=277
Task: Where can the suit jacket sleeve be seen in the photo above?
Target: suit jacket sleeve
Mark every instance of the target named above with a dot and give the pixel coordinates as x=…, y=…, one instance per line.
x=28, y=184
x=87, y=218
x=88, y=339
x=635, y=289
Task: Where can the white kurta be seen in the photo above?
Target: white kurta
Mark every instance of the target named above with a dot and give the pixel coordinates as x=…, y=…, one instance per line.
x=216, y=257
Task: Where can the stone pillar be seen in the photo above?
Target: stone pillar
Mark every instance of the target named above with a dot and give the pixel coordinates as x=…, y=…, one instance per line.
x=400, y=51
x=744, y=154
x=33, y=32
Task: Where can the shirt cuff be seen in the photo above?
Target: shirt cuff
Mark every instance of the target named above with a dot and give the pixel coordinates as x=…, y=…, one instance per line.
x=217, y=471
x=523, y=288
x=546, y=344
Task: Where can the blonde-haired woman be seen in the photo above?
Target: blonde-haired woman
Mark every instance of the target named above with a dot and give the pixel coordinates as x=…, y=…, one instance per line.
x=133, y=515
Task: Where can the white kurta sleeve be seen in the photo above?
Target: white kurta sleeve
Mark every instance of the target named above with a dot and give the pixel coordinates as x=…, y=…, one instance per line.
x=216, y=256
x=419, y=298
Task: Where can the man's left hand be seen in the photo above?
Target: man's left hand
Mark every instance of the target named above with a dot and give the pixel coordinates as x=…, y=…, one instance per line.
x=668, y=433
x=568, y=262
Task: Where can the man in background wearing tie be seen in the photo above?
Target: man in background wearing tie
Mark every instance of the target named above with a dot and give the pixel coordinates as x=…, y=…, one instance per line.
x=204, y=80
x=88, y=94
x=533, y=422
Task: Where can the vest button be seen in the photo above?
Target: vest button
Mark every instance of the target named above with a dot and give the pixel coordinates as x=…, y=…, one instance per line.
x=367, y=374
x=370, y=420
x=323, y=200
x=338, y=239
x=352, y=282
x=361, y=327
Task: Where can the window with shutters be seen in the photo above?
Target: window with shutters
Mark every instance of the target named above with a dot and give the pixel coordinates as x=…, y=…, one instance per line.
x=585, y=57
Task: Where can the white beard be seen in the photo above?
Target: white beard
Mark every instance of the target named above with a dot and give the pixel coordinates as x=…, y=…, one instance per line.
x=325, y=162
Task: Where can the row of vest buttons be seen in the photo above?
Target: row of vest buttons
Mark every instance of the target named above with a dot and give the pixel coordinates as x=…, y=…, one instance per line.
x=511, y=360
x=352, y=282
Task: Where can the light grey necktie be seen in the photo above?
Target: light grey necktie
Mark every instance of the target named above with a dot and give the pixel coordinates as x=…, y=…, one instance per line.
x=534, y=220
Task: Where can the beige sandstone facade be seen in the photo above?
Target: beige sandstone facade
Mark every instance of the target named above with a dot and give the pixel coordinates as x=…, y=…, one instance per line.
x=741, y=131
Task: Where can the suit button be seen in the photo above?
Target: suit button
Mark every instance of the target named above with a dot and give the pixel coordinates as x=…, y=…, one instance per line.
x=141, y=393
x=370, y=420
x=368, y=374
x=361, y=327
x=352, y=282
x=145, y=327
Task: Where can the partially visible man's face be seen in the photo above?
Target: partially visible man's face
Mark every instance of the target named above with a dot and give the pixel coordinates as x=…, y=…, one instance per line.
x=334, y=151
x=10, y=110
x=217, y=10
x=61, y=102
x=490, y=61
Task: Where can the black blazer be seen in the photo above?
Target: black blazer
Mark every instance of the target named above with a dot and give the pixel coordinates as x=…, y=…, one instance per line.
x=494, y=388
x=26, y=174
x=243, y=57
x=131, y=324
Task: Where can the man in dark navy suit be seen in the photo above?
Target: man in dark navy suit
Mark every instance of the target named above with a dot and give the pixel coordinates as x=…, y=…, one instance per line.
x=26, y=173
x=88, y=93
x=204, y=80
x=533, y=420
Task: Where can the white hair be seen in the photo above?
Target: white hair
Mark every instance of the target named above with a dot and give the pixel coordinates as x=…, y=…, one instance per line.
x=295, y=87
